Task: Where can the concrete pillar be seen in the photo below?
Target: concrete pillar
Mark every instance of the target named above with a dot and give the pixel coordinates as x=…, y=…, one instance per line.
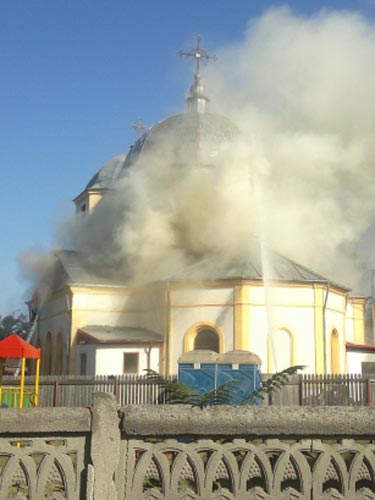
x=105, y=448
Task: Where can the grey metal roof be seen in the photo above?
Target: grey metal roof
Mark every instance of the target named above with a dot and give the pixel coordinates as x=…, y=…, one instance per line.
x=104, y=334
x=108, y=174
x=279, y=268
x=79, y=270
x=184, y=139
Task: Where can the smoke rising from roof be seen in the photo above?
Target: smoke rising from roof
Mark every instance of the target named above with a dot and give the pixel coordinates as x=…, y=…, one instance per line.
x=302, y=92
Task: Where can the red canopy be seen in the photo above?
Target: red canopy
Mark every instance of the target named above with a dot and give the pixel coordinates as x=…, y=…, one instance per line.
x=15, y=347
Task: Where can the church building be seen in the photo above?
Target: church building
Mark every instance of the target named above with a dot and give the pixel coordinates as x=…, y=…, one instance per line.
x=92, y=323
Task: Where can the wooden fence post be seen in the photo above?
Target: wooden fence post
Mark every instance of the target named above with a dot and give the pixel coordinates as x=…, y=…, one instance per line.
x=56, y=393
x=116, y=389
x=301, y=391
x=368, y=390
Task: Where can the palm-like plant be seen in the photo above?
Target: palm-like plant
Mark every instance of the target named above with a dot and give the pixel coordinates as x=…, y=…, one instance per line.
x=176, y=392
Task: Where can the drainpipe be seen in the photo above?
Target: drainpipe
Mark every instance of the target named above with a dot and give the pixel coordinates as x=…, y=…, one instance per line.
x=344, y=332
x=167, y=327
x=69, y=336
x=325, y=327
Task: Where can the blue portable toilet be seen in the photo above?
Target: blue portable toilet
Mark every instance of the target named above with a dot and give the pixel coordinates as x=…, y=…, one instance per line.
x=243, y=366
x=204, y=370
x=197, y=369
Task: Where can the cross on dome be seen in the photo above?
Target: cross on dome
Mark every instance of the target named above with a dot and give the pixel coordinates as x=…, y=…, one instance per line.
x=196, y=100
x=199, y=54
x=138, y=126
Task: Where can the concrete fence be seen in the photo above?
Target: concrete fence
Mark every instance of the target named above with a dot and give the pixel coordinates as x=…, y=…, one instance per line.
x=108, y=452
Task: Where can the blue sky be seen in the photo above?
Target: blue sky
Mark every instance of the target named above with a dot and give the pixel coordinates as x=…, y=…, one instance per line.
x=74, y=75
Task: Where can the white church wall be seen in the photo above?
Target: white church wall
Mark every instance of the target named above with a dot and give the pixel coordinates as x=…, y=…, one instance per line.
x=93, y=299
x=281, y=295
x=110, y=360
x=198, y=296
x=153, y=305
x=355, y=360
x=140, y=311
x=110, y=318
x=298, y=321
x=105, y=309
x=152, y=320
x=90, y=351
x=336, y=301
x=258, y=326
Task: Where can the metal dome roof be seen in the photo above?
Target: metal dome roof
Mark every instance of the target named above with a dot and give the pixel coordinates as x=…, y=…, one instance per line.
x=107, y=175
x=184, y=139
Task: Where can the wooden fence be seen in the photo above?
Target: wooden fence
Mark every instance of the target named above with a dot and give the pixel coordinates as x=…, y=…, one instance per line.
x=337, y=390
x=300, y=390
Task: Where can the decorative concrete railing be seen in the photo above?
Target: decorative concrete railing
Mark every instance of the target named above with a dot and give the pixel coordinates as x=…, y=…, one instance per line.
x=178, y=452
x=43, y=453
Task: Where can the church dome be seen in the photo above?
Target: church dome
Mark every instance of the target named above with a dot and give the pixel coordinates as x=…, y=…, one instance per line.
x=193, y=139
x=184, y=139
x=108, y=174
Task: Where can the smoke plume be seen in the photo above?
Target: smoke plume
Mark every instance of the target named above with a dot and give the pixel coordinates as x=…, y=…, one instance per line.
x=301, y=90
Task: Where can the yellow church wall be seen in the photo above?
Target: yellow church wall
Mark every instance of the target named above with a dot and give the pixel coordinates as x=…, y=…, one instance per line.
x=88, y=200
x=191, y=305
x=241, y=334
x=355, y=320
x=140, y=308
x=94, y=199
x=349, y=323
x=97, y=306
x=183, y=318
x=320, y=296
x=358, y=318
x=54, y=318
x=335, y=325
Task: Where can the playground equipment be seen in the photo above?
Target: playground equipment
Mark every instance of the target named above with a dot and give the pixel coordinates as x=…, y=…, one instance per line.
x=14, y=346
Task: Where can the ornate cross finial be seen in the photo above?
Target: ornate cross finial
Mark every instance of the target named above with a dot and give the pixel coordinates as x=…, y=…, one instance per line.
x=138, y=126
x=199, y=54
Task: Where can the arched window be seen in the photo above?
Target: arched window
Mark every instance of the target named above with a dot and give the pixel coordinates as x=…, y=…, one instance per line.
x=206, y=338
x=59, y=354
x=204, y=335
x=47, y=355
x=335, y=352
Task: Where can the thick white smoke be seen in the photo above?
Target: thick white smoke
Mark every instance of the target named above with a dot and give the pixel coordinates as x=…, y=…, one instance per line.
x=302, y=92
